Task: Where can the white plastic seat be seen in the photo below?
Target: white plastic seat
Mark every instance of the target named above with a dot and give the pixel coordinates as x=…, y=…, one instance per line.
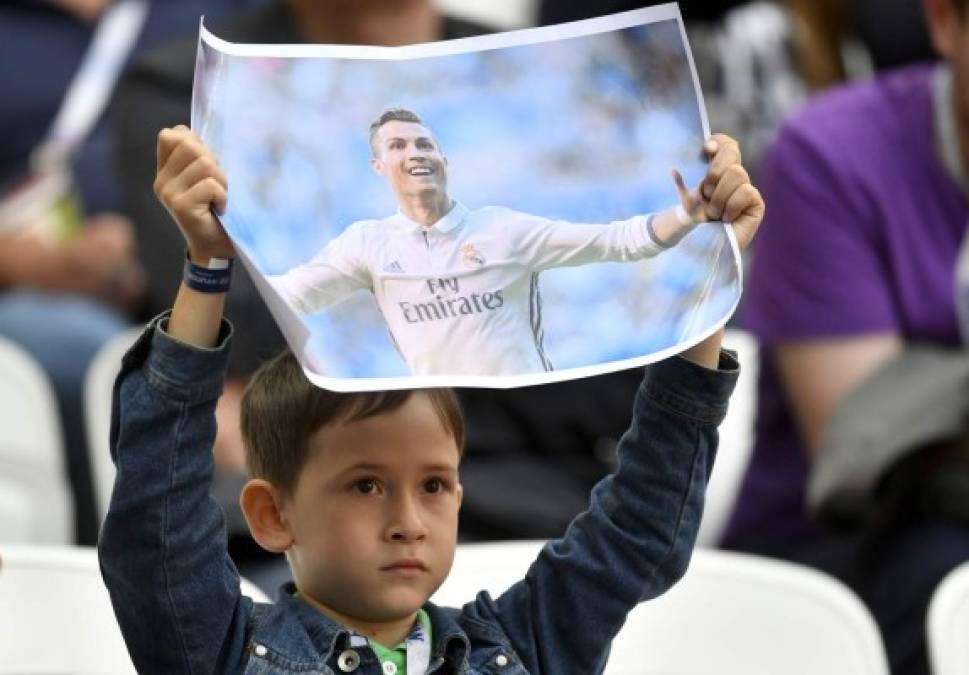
x=730, y=614
x=56, y=615
x=501, y=14
x=98, y=387
x=35, y=499
x=736, y=614
x=948, y=624
x=736, y=441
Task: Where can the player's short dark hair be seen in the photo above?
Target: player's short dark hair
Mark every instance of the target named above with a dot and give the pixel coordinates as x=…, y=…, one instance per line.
x=282, y=410
x=392, y=115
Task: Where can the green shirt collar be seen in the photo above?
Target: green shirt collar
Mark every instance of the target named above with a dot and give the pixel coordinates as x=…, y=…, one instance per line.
x=398, y=654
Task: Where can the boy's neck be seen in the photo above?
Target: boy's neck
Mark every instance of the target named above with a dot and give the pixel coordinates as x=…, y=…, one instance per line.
x=387, y=633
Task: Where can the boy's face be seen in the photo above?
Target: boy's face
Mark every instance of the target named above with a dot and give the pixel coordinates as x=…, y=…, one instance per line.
x=374, y=514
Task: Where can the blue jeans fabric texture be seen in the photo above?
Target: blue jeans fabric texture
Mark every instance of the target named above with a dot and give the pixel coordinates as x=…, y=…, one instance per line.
x=176, y=593
x=64, y=332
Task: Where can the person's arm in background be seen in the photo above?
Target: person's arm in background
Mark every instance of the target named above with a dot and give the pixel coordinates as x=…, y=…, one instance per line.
x=98, y=262
x=818, y=374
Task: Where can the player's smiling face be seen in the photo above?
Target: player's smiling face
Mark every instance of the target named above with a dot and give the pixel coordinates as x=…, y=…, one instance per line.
x=407, y=154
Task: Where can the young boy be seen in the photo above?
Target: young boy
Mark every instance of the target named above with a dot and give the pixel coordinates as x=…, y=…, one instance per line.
x=361, y=492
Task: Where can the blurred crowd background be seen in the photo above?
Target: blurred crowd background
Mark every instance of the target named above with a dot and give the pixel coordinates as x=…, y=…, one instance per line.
x=857, y=285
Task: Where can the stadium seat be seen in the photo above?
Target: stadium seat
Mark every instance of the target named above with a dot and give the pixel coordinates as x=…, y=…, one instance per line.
x=98, y=386
x=35, y=499
x=731, y=614
x=56, y=615
x=948, y=624
x=736, y=441
x=500, y=14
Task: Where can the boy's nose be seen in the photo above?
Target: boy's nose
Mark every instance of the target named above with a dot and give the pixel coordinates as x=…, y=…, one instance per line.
x=406, y=523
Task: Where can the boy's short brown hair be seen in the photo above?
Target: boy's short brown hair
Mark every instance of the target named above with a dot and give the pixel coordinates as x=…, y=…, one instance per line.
x=281, y=410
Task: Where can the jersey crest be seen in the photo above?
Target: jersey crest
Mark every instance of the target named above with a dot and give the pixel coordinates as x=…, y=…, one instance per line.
x=473, y=258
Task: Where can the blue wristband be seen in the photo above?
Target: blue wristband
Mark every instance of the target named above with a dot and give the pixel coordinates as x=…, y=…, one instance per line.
x=212, y=279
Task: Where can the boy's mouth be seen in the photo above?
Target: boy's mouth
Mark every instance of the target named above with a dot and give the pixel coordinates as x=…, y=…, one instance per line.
x=406, y=566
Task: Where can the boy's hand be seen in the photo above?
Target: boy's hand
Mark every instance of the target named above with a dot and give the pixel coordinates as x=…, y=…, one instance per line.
x=725, y=193
x=189, y=183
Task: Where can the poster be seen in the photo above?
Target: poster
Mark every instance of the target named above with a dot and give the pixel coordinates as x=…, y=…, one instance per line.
x=475, y=212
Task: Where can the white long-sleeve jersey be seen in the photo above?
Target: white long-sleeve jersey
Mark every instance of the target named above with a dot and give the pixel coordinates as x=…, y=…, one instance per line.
x=461, y=296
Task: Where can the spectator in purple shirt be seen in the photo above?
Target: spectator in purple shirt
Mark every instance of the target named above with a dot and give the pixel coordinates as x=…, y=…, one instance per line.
x=867, y=210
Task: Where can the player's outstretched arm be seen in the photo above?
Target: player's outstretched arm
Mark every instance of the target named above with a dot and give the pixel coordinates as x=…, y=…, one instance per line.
x=725, y=193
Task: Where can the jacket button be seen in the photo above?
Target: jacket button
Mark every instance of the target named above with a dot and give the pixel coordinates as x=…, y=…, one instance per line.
x=260, y=650
x=501, y=660
x=348, y=661
x=389, y=668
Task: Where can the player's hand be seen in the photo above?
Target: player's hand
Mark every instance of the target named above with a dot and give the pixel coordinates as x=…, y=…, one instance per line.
x=725, y=193
x=189, y=183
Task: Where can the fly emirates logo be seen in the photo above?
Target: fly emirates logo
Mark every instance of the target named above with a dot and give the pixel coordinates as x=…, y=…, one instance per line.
x=448, y=303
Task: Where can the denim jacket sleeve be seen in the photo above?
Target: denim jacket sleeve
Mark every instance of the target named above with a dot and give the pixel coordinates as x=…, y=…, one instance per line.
x=635, y=540
x=163, y=545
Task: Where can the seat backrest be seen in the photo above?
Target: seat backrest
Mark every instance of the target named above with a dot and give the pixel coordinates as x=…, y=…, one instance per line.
x=948, y=624
x=35, y=501
x=501, y=14
x=736, y=441
x=731, y=613
x=56, y=614
x=735, y=614
x=491, y=567
x=98, y=387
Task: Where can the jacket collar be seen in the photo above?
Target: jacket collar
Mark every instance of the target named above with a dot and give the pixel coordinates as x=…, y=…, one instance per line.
x=322, y=638
x=452, y=220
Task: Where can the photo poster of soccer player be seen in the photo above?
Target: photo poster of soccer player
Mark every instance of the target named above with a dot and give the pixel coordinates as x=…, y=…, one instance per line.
x=473, y=212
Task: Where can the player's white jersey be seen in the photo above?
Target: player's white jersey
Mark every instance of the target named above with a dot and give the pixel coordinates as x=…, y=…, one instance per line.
x=461, y=296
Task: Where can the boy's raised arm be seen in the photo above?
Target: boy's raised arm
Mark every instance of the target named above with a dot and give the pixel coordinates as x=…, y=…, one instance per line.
x=163, y=545
x=637, y=536
x=190, y=184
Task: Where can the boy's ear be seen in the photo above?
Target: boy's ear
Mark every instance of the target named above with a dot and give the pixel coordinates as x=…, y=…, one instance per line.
x=261, y=504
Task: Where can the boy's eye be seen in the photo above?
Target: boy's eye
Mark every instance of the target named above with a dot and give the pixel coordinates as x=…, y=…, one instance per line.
x=434, y=485
x=365, y=486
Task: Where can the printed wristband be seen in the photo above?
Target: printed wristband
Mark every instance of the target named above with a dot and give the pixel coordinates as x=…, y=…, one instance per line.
x=214, y=278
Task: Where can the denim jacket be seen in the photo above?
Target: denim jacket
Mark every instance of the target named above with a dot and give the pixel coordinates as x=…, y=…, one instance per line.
x=176, y=592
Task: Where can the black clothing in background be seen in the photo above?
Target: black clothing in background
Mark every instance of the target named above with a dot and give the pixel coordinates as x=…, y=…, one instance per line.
x=893, y=31
x=559, y=11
